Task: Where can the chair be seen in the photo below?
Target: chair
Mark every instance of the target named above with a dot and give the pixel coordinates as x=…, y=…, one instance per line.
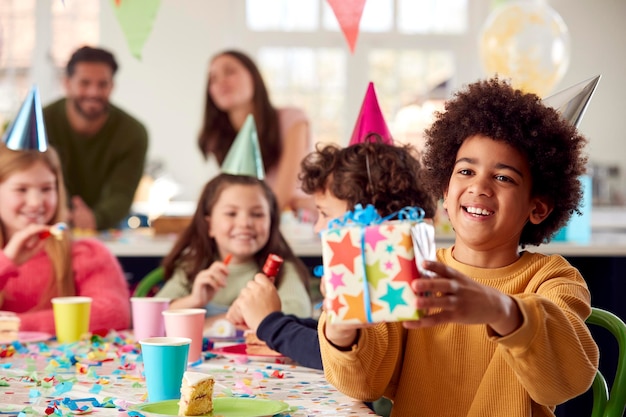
x=148, y=284
x=610, y=403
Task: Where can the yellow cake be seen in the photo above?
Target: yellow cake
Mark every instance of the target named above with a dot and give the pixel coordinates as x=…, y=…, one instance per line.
x=9, y=326
x=196, y=394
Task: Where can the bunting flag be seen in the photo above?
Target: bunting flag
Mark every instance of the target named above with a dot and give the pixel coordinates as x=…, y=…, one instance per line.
x=348, y=14
x=136, y=18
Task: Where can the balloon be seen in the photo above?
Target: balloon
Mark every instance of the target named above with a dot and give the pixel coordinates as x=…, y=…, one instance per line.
x=528, y=43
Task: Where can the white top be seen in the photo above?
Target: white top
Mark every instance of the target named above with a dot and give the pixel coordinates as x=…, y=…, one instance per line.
x=194, y=378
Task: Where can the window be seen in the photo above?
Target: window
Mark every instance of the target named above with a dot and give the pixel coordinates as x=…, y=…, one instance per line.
x=17, y=41
x=74, y=24
x=34, y=32
x=408, y=48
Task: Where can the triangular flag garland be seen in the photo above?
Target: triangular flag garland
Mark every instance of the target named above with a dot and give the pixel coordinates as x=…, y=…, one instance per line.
x=572, y=102
x=28, y=131
x=136, y=18
x=348, y=14
x=244, y=155
x=370, y=120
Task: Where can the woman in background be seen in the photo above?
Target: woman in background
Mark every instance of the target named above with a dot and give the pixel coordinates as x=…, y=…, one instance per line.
x=235, y=89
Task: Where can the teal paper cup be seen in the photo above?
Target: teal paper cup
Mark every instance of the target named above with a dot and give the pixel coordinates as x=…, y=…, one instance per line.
x=165, y=362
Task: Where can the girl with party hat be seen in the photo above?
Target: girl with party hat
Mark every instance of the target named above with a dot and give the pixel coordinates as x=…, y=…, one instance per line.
x=39, y=259
x=233, y=230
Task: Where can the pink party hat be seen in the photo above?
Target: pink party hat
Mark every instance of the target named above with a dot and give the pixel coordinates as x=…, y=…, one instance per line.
x=27, y=131
x=370, y=120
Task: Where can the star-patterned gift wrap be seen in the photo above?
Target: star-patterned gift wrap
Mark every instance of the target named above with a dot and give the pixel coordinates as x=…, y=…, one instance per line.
x=367, y=272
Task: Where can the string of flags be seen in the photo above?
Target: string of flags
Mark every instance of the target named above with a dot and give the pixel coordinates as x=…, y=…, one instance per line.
x=136, y=19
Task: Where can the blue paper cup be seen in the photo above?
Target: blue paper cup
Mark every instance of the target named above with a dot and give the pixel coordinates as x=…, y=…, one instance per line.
x=165, y=362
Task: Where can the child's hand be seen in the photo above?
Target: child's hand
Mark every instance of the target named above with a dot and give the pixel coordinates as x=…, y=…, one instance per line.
x=208, y=282
x=340, y=335
x=25, y=243
x=459, y=299
x=256, y=301
x=82, y=216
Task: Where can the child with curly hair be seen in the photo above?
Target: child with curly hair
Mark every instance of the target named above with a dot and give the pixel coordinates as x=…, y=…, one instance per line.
x=506, y=332
x=386, y=176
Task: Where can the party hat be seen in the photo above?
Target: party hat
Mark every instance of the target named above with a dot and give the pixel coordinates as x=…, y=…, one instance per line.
x=244, y=156
x=572, y=102
x=28, y=132
x=370, y=120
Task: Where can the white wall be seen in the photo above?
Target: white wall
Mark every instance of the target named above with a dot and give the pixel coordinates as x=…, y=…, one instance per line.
x=596, y=28
x=165, y=89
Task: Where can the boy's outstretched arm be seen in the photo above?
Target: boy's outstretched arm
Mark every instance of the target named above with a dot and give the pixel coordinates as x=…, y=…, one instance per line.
x=459, y=299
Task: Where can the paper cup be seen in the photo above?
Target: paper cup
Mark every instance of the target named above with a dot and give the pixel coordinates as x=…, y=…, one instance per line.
x=71, y=317
x=164, y=362
x=147, y=318
x=186, y=322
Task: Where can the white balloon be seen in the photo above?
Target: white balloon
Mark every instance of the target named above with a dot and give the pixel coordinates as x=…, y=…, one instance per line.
x=528, y=43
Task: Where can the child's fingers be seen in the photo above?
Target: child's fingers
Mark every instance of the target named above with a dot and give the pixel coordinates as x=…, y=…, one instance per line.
x=435, y=286
x=263, y=279
x=442, y=270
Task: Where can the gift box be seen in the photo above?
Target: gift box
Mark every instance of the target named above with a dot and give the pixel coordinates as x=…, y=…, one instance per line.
x=369, y=264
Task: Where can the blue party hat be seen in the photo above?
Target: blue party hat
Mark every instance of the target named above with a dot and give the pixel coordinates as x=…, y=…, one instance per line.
x=244, y=156
x=572, y=102
x=28, y=132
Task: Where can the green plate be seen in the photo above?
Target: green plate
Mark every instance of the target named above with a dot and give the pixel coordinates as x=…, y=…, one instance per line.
x=222, y=406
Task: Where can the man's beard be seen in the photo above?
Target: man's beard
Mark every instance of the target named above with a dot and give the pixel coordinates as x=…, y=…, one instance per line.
x=94, y=115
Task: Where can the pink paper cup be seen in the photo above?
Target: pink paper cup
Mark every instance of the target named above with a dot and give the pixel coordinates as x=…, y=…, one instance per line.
x=147, y=317
x=186, y=322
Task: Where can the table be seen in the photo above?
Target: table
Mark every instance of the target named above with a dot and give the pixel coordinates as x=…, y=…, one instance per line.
x=104, y=375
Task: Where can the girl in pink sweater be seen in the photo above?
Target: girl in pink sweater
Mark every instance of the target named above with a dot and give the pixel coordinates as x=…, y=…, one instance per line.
x=35, y=267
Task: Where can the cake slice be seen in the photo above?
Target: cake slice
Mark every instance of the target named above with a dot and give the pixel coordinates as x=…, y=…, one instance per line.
x=9, y=326
x=196, y=394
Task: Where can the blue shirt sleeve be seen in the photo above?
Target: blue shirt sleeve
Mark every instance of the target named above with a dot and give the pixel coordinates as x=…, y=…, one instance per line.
x=292, y=336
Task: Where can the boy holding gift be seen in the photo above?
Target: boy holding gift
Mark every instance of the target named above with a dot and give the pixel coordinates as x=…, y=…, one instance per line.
x=506, y=333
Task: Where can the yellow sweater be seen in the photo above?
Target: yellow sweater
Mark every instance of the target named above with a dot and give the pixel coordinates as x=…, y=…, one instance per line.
x=467, y=370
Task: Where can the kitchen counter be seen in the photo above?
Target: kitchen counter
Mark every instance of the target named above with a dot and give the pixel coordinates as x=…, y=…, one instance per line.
x=142, y=243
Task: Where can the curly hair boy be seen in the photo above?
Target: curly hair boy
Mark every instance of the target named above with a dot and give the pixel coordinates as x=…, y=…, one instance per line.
x=506, y=328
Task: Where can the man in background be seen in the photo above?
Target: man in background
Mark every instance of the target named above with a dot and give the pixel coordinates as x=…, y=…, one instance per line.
x=102, y=148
